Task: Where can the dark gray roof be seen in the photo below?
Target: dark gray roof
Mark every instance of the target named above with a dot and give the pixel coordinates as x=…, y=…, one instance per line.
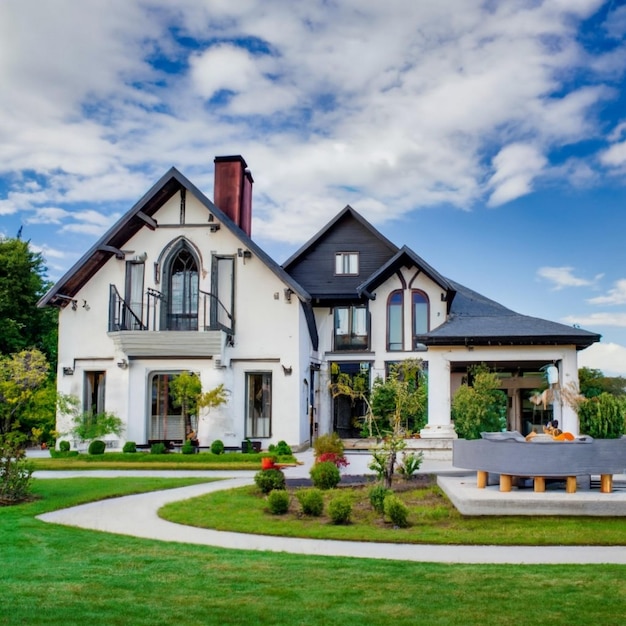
x=140, y=216
x=477, y=320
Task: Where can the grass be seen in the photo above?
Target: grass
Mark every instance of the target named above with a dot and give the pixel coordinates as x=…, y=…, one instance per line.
x=61, y=575
x=433, y=520
x=145, y=460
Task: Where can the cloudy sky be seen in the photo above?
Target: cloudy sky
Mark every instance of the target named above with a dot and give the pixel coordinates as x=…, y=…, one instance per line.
x=489, y=136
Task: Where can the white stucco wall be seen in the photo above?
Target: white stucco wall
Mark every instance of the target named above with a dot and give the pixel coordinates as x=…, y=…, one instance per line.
x=268, y=335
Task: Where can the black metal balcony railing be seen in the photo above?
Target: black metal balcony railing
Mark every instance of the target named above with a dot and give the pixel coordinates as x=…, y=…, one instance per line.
x=211, y=314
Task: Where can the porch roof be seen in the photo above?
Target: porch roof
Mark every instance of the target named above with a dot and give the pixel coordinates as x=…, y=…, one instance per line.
x=477, y=320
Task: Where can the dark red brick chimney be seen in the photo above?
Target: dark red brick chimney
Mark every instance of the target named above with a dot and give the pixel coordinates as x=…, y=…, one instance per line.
x=232, y=190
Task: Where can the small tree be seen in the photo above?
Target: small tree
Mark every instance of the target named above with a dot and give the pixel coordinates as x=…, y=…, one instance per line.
x=186, y=389
x=21, y=376
x=402, y=399
x=187, y=393
x=15, y=470
x=480, y=407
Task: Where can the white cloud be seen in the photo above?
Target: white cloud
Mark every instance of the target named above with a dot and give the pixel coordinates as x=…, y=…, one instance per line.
x=48, y=215
x=515, y=168
x=562, y=277
x=597, y=319
x=617, y=295
x=391, y=104
x=610, y=358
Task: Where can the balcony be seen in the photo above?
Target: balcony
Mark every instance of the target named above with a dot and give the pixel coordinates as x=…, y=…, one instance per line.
x=150, y=330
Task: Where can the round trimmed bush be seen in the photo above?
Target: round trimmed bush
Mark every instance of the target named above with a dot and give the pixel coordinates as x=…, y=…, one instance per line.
x=278, y=501
x=269, y=479
x=340, y=509
x=377, y=495
x=217, y=447
x=396, y=511
x=129, y=447
x=325, y=475
x=97, y=446
x=188, y=448
x=64, y=446
x=282, y=448
x=158, y=448
x=311, y=501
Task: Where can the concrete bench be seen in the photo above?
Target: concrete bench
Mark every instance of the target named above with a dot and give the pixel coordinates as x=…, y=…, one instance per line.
x=510, y=455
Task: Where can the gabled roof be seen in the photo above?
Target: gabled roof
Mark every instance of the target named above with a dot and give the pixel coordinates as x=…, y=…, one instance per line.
x=476, y=320
x=139, y=216
x=406, y=258
x=347, y=210
x=313, y=266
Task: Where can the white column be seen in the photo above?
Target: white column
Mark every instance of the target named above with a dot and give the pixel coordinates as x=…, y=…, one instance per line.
x=439, y=424
x=568, y=372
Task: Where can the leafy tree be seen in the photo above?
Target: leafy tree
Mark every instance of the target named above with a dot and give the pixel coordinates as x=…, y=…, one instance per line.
x=602, y=416
x=186, y=390
x=22, y=284
x=402, y=400
x=592, y=383
x=480, y=407
x=22, y=375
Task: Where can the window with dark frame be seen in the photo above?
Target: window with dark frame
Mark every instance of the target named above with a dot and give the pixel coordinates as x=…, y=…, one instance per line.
x=94, y=392
x=259, y=404
x=420, y=311
x=395, y=317
x=351, y=328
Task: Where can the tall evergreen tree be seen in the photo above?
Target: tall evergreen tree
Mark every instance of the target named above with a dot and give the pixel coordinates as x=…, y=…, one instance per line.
x=22, y=283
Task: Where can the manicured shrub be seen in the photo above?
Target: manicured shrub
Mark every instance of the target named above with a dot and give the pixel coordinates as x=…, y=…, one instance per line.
x=269, y=479
x=57, y=454
x=396, y=511
x=328, y=443
x=158, y=448
x=64, y=446
x=188, y=448
x=281, y=449
x=217, y=447
x=130, y=447
x=340, y=509
x=97, y=446
x=377, y=495
x=325, y=475
x=278, y=501
x=311, y=502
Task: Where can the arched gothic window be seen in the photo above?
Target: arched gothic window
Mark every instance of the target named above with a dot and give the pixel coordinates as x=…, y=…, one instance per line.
x=181, y=289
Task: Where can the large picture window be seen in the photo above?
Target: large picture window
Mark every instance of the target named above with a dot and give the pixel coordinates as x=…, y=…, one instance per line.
x=259, y=404
x=166, y=420
x=351, y=332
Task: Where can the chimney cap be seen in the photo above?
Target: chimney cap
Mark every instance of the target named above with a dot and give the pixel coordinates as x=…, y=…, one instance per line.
x=230, y=159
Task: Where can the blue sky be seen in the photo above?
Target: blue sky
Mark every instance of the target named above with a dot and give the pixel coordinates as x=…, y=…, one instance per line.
x=488, y=136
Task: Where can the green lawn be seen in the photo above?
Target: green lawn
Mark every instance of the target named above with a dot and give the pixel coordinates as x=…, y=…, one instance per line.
x=145, y=460
x=60, y=575
x=433, y=520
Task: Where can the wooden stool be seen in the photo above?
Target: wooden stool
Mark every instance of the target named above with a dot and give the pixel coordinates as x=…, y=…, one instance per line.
x=606, y=483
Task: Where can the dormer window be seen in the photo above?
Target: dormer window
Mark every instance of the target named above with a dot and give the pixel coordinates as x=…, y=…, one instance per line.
x=347, y=263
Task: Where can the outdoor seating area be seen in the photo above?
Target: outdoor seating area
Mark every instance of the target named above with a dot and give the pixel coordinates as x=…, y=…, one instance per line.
x=509, y=456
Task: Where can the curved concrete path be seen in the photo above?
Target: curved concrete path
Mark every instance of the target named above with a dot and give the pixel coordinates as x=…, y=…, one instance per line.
x=137, y=515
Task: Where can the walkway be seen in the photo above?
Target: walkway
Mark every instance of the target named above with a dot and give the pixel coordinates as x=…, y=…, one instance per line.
x=137, y=516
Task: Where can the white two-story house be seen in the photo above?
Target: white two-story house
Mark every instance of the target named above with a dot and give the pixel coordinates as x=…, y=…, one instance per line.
x=178, y=284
